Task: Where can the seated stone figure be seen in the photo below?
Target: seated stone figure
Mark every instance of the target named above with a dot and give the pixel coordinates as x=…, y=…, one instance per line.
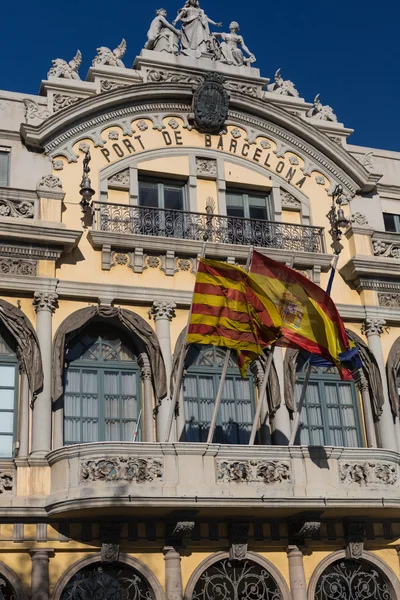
x=230, y=50
x=162, y=36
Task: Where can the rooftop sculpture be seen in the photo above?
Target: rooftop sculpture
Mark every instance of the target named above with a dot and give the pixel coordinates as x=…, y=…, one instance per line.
x=162, y=36
x=321, y=112
x=231, y=53
x=67, y=70
x=112, y=58
x=280, y=86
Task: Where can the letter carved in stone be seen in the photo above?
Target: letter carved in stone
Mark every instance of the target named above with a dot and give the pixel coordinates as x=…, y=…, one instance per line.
x=138, y=470
x=6, y=483
x=264, y=471
x=367, y=473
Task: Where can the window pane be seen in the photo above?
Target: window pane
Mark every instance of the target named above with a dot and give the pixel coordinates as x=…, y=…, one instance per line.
x=4, y=168
x=389, y=221
x=7, y=399
x=173, y=197
x=148, y=194
x=234, y=205
x=7, y=376
x=6, y=422
x=258, y=207
x=6, y=446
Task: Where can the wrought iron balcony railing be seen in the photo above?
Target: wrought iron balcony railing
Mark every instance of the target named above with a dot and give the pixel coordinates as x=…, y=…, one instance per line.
x=119, y=218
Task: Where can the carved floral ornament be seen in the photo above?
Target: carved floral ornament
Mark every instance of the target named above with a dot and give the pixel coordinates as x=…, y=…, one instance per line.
x=6, y=483
x=137, y=470
x=367, y=473
x=250, y=471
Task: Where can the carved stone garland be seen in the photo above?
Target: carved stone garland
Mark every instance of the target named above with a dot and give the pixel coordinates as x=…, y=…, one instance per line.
x=264, y=471
x=138, y=470
x=22, y=209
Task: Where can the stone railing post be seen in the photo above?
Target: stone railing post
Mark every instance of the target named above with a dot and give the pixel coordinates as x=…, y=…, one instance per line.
x=297, y=577
x=163, y=313
x=373, y=329
x=173, y=574
x=40, y=573
x=45, y=304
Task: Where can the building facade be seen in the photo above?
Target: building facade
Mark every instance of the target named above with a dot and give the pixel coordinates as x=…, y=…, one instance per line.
x=110, y=190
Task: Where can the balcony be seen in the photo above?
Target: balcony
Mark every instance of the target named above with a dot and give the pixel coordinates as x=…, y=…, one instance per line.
x=200, y=227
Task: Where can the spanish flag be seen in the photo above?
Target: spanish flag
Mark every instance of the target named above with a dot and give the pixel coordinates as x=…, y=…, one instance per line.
x=231, y=310
x=310, y=319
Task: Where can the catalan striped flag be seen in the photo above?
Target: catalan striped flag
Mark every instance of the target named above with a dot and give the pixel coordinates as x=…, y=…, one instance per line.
x=310, y=319
x=230, y=310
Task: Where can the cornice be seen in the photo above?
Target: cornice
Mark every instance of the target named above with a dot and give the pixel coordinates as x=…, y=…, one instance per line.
x=150, y=97
x=370, y=266
x=20, y=230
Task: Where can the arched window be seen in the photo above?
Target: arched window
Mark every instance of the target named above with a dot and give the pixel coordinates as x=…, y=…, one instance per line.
x=102, y=387
x=227, y=579
x=8, y=393
x=330, y=416
x=7, y=592
x=111, y=581
x=200, y=390
x=353, y=580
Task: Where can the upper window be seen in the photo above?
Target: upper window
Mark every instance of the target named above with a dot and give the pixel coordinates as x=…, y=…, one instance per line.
x=169, y=195
x=248, y=205
x=4, y=168
x=200, y=390
x=102, y=388
x=392, y=222
x=330, y=415
x=8, y=394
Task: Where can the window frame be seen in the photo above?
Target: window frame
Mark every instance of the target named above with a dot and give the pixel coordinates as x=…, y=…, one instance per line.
x=6, y=151
x=323, y=379
x=161, y=183
x=101, y=367
x=6, y=360
x=396, y=222
x=246, y=194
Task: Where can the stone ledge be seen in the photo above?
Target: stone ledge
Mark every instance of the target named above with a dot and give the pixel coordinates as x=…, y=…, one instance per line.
x=38, y=232
x=369, y=266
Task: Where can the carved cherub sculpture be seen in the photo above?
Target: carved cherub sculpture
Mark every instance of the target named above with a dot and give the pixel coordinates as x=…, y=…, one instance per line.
x=112, y=58
x=67, y=70
x=162, y=36
x=231, y=53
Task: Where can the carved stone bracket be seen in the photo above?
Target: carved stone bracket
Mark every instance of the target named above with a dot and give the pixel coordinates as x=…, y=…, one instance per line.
x=178, y=526
x=168, y=263
x=110, y=540
x=6, y=483
x=373, y=327
x=138, y=470
x=355, y=535
x=367, y=473
x=238, y=538
x=264, y=471
x=303, y=527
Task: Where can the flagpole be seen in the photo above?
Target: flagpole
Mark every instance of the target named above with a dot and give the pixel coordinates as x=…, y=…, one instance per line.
x=308, y=372
x=228, y=354
x=261, y=397
x=179, y=372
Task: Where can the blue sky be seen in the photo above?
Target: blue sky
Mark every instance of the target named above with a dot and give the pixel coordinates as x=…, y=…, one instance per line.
x=348, y=50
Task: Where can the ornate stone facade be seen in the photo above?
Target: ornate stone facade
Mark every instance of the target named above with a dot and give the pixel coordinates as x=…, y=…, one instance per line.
x=137, y=470
x=206, y=167
x=17, y=266
x=268, y=472
x=373, y=326
x=367, y=473
x=6, y=483
x=22, y=209
x=386, y=249
x=45, y=301
x=112, y=58
x=67, y=70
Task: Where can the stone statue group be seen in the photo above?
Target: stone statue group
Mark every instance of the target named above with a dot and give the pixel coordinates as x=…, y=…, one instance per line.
x=194, y=39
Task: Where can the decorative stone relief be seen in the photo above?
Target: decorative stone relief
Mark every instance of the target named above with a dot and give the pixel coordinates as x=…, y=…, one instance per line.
x=206, y=166
x=244, y=89
x=168, y=263
x=373, y=326
x=138, y=470
x=211, y=104
x=366, y=161
x=289, y=201
x=61, y=101
x=183, y=527
x=280, y=86
x=161, y=76
x=389, y=300
x=6, y=483
x=386, y=249
x=320, y=180
x=121, y=178
x=112, y=58
x=58, y=165
x=236, y=133
x=121, y=259
x=153, y=262
x=253, y=471
x=142, y=125
x=173, y=123
x=109, y=86
x=186, y=264
x=109, y=553
x=45, y=301
x=367, y=473
x=323, y=113
x=303, y=530
x=294, y=160
x=23, y=209
x=64, y=69
x=359, y=219
x=34, y=111
x=265, y=144
x=49, y=183
x=162, y=310
x=238, y=537
x=84, y=147
x=113, y=135
x=355, y=534
x=17, y=266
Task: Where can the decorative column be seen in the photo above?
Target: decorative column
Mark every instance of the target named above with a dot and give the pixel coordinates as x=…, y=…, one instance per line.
x=40, y=573
x=146, y=376
x=281, y=422
x=362, y=385
x=173, y=574
x=297, y=577
x=163, y=313
x=373, y=329
x=45, y=304
x=23, y=427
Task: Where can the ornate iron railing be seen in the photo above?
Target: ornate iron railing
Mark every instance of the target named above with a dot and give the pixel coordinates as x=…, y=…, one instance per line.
x=119, y=218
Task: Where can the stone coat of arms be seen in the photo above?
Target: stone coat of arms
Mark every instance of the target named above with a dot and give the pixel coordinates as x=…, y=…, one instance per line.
x=211, y=104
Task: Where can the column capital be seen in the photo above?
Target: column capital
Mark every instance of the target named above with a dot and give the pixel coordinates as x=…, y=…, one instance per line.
x=171, y=553
x=361, y=381
x=41, y=553
x=45, y=301
x=373, y=326
x=293, y=550
x=162, y=310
